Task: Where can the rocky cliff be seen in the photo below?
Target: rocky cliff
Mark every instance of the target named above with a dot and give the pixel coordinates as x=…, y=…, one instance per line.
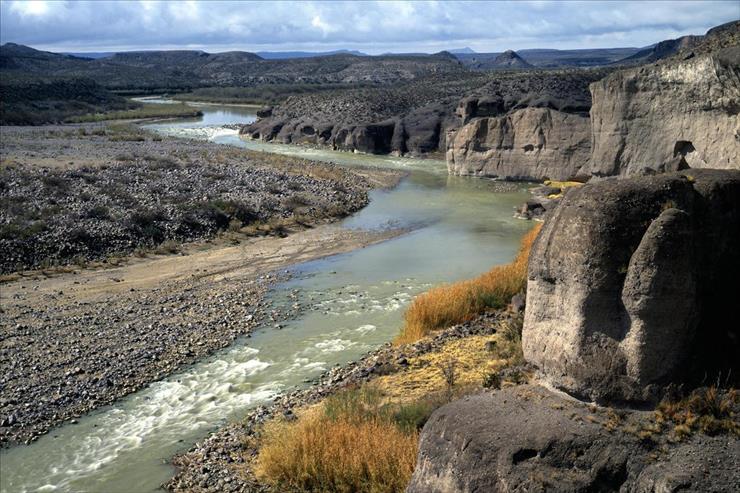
x=411, y=117
x=678, y=113
x=525, y=144
x=529, y=127
x=530, y=439
x=630, y=297
x=668, y=116
x=631, y=284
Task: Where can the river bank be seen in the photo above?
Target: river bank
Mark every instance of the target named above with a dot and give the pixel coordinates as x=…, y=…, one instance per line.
x=102, y=334
x=101, y=192
x=84, y=193
x=225, y=460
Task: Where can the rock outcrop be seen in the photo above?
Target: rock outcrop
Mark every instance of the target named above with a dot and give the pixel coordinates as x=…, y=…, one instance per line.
x=530, y=439
x=510, y=60
x=678, y=113
x=532, y=127
x=668, y=116
x=528, y=144
x=632, y=285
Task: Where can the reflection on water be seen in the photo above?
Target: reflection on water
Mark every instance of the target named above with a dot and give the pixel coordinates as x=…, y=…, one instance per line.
x=354, y=302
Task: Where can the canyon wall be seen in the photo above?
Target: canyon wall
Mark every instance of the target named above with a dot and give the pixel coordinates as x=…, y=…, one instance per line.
x=531, y=143
x=675, y=114
x=668, y=117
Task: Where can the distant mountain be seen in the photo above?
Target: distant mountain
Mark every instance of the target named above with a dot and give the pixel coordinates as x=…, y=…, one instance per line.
x=92, y=54
x=184, y=70
x=549, y=58
x=281, y=55
x=461, y=51
x=510, y=60
x=593, y=57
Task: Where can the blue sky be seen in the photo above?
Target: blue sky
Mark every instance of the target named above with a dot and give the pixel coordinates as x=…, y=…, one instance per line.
x=373, y=27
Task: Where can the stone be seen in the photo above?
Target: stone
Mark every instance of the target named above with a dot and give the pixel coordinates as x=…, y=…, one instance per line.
x=528, y=438
x=632, y=285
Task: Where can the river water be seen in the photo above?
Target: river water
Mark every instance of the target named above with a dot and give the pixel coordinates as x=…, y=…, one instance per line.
x=460, y=227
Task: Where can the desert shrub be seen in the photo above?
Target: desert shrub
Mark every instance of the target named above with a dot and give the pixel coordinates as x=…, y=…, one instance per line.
x=451, y=304
x=150, y=110
x=710, y=410
x=55, y=184
x=98, y=212
x=167, y=247
x=296, y=201
x=146, y=223
x=351, y=443
x=235, y=209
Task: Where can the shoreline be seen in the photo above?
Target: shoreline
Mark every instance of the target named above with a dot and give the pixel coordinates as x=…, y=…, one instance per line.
x=123, y=307
x=217, y=463
x=151, y=316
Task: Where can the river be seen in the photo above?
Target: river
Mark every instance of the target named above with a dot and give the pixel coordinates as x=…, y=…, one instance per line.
x=460, y=227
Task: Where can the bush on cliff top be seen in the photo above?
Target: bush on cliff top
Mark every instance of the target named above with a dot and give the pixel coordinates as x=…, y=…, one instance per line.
x=456, y=303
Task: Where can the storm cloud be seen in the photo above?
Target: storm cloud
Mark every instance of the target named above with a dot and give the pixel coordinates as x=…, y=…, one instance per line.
x=373, y=27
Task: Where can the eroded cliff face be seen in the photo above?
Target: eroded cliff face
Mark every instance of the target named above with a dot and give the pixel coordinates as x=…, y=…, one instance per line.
x=531, y=143
x=629, y=283
x=675, y=114
x=667, y=117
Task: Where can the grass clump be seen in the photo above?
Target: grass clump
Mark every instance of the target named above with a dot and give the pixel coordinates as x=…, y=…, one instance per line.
x=352, y=442
x=710, y=410
x=451, y=304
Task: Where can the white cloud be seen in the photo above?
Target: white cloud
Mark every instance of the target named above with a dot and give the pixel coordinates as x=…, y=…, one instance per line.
x=373, y=27
x=30, y=7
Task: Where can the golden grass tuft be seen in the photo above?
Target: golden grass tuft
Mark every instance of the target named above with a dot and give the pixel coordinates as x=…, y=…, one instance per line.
x=710, y=410
x=344, y=446
x=456, y=303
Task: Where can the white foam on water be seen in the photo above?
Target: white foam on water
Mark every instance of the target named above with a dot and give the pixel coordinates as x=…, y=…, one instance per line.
x=364, y=329
x=190, y=401
x=333, y=345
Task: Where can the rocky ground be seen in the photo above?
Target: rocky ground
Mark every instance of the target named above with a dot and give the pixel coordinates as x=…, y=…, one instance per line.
x=220, y=462
x=76, y=341
x=82, y=193
x=76, y=338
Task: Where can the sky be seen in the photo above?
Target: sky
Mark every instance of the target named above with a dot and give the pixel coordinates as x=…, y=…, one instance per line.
x=372, y=27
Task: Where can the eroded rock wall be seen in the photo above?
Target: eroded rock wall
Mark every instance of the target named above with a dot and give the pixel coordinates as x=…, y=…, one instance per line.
x=667, y=117
x=632, y=285
x=527, y=144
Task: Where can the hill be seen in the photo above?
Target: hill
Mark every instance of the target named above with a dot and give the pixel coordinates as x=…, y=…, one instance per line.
x=151, y=71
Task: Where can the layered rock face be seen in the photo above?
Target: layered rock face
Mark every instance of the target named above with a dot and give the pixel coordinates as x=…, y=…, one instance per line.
x=531, y=143
x=668, y=116
x=525, y=128
x=530, y=439
x=632, y=284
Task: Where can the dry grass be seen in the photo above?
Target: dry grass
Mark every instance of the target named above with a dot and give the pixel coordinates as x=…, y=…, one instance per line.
x=351, y=443
x=456, y=303
x=476, y=359
x=709, y=410
x=562, y=185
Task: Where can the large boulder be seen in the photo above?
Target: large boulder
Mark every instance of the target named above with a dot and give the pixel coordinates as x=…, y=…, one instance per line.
x=633, y=284
x=668, y=116
x=531, y=439
x=527, y=144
